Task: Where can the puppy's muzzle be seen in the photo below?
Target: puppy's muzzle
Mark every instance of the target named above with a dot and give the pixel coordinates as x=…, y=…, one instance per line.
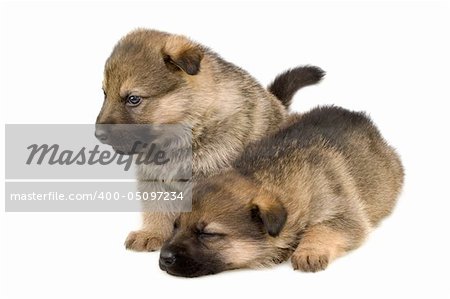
x=123, y=138
x=101, y=134
x=167, y=258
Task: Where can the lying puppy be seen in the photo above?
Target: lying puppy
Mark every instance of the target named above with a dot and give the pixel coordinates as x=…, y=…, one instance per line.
x=311, y=191
x=154, y=77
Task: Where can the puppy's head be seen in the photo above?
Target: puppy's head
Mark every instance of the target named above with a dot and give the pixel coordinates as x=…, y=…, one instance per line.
x=148, y=79
x=232, y=225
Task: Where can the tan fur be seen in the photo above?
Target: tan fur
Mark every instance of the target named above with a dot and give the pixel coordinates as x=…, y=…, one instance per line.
x=180, y=81
x=319, y=246
x=313, y=199
x=239, y=253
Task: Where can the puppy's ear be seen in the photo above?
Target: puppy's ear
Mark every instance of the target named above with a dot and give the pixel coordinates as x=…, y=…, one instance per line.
x=179, y=53
x=271, y=212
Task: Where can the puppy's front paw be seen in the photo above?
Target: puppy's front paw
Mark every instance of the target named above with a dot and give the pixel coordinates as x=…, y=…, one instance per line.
x=142, y=240
x=310, y=260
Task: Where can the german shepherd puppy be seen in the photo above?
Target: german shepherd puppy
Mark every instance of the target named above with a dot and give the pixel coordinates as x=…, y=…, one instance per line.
x=154, y=77
x=310, y=191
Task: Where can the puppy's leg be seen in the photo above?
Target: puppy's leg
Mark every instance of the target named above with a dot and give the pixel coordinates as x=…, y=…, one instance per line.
x=323, y=242
x=157, y=227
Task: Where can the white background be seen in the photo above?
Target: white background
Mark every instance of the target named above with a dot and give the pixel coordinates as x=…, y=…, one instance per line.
x=390, y=59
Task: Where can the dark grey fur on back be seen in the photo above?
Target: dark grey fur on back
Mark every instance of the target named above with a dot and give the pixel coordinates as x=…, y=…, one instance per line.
x=368, y=158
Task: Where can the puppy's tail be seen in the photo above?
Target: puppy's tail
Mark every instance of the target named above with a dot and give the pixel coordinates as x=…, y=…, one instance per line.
x=289, y=82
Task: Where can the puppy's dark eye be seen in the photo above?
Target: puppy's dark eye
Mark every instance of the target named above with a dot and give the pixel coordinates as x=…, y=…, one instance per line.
x=133, y=100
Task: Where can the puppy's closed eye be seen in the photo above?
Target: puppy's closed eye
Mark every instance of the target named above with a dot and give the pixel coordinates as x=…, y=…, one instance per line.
x=210, y=232
x=210, y=235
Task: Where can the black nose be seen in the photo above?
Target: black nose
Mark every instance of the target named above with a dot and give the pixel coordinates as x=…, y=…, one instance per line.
x=101, y=134
x=167, y=257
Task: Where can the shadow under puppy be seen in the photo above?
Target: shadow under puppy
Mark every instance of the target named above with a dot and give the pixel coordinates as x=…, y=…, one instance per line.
x=311, y=191
x=158, y=78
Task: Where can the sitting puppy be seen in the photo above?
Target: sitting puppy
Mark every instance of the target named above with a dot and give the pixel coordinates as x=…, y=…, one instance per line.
x=154, y=77
x=310, y=191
